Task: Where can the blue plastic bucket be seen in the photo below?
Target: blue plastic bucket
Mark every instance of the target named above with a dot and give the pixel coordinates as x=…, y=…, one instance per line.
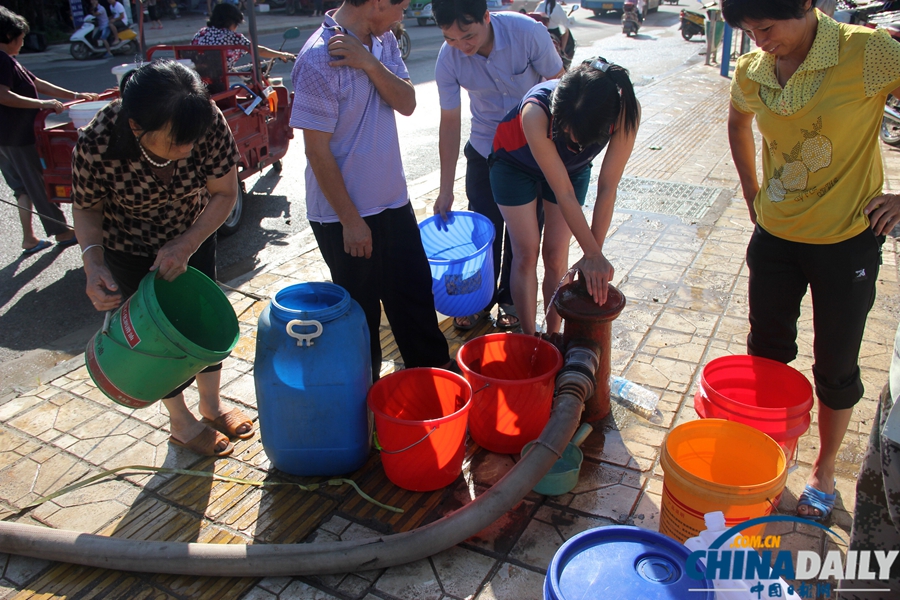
x=621, y=561
x=462, y=264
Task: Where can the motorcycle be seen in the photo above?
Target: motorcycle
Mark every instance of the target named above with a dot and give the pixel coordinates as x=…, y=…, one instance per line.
x=85, y=45
x=692, y=23
x=402, y=39
x=631, y=22
x=568, y=52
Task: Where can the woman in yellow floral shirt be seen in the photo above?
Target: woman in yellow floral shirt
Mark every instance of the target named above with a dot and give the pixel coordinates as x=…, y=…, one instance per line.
x=816, y=89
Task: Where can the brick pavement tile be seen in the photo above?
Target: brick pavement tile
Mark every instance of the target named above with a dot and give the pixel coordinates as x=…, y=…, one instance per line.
x=275, y=584
x=512, y=583
x=460, y=570
x=646, y=513
x=57, y=472
x=614, y=502
x=73, y=412
x=18, y=406
x=16, y=482
x=660, y=272
x=648, y=290
x=537, y=545
x=299, y=590
x=687, y=321
x=99, y=450
x=672, y=344
x=22, y=569
x=10, y=440
x=8, y=458
x=259, y=593
x=412, y=581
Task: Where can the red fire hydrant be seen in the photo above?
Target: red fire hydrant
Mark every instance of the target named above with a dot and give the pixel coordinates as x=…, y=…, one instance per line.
x=589, y=324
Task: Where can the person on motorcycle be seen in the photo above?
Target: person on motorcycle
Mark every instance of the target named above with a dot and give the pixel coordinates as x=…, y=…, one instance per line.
x=102, y=31
x=558, y=24
x=630, y=14
x=119, y=21
x=543, y=152
x=496, y=58
x=221, y=30
x=817, y=90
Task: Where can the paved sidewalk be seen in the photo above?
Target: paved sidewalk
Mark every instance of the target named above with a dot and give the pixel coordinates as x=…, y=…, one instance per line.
x=677, y=242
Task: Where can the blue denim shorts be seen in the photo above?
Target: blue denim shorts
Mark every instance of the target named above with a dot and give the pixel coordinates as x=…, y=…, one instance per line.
x=513, y=186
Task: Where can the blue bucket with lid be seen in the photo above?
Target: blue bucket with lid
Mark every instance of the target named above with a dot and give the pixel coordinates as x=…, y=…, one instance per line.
x=461, y=261
x=621, y=561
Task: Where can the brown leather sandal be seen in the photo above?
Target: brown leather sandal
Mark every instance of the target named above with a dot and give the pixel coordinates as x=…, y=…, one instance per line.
x=230, y=422
x=205, y=443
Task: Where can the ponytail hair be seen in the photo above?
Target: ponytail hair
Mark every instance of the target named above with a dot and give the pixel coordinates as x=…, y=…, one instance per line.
x=549, y=6
x=591, y=99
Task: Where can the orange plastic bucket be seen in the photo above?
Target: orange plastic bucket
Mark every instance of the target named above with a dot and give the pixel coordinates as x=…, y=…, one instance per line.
x=766, y=394
x=420, y=421
x=513, y=377
x=713, y=464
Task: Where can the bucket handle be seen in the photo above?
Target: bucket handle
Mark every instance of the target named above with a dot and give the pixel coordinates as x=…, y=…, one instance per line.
x=380, y=449
x=304, y=337
x=105, y=332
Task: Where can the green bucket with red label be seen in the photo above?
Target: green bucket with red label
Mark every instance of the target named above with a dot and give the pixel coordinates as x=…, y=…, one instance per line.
x=166, y=333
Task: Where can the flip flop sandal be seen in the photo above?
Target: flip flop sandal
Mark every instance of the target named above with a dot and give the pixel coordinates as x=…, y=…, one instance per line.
x=41, y=245
x=506, y=317
x=230, y=422
x=204, y=443
x=474, y=320
x=813, y=498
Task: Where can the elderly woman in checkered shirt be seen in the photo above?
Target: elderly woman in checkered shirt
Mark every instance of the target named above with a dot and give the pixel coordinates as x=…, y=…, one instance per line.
x=153, y=177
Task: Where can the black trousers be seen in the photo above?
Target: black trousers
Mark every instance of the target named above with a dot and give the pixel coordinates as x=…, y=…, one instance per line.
x=481, y=200
x=397, y=276
x=129, y=269
x=841, y=278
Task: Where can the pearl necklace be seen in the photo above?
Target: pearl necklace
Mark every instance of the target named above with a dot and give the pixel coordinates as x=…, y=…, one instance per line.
x=150, y=160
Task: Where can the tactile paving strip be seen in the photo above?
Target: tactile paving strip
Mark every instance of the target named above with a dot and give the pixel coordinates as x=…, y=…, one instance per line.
x=689, y=202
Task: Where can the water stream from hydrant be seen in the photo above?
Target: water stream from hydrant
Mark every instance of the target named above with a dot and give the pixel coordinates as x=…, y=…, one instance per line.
x=543, y=328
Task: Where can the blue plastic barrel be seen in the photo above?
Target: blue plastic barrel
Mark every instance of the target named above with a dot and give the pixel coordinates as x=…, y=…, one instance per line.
x=462, y=264
x=621, y=561
x=312, y=373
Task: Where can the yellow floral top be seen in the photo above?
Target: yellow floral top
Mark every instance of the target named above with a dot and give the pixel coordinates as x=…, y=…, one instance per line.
x=882, y=62
x=820, y=149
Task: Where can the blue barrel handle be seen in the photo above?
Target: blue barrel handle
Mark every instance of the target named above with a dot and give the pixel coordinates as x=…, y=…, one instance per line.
x=304, y=337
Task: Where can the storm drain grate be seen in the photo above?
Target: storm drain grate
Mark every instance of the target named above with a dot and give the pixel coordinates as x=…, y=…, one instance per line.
x=689, y=202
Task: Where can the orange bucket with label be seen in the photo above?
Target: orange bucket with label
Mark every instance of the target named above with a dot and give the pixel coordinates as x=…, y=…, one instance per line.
x=713, y=464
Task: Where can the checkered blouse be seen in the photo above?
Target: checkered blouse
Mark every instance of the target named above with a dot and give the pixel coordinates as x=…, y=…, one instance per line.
x=140, y=211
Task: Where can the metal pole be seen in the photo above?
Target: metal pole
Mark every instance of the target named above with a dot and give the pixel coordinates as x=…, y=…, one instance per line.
x=725, y=65
x=253, y=40
x=141, y=39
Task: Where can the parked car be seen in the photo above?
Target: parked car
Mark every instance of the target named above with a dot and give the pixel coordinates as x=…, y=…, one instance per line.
x=420, y=10
x=522, y=6
x=601, y=7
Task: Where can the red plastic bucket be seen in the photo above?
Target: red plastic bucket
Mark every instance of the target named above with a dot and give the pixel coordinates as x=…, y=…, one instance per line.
x=513, y=375
x=766, y=394
x=420, y=419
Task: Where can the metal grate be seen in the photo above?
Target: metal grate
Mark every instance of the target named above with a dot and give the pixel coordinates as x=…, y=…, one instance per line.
x=689, y=202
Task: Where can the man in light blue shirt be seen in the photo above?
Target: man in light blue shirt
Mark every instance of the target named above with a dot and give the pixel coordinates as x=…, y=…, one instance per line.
x=349, y=80
x=497, y=58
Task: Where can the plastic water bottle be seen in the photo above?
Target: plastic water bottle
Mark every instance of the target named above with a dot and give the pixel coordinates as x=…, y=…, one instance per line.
x=731, y=589
x=635, y=398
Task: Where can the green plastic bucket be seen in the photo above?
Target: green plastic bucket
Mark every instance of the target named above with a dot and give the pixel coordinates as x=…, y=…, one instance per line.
x=166, y=333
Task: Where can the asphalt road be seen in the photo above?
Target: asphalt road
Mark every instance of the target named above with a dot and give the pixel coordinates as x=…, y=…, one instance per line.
x=45, y=316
